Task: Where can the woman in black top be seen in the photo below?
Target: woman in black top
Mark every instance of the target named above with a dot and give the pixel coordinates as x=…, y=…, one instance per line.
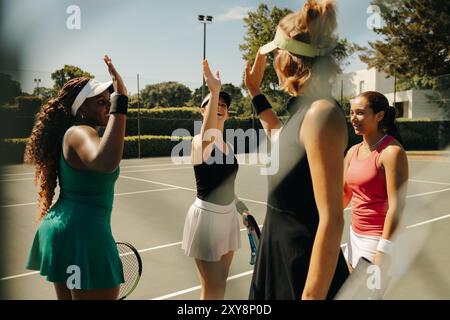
x=299, y=256
x=211, y=231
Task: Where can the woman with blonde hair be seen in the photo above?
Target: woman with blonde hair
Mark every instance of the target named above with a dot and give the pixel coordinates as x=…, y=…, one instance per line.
x=73, y=246
x=299, y=255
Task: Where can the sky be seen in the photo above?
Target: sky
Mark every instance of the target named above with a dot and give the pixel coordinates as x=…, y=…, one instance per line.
x=159, y=40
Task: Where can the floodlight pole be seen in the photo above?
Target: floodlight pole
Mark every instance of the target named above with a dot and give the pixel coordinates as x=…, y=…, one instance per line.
x=204, y=19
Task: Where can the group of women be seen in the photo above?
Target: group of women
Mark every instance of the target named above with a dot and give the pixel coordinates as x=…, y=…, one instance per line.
x=299, y=255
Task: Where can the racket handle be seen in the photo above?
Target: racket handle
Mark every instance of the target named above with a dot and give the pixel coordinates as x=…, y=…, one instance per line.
x=253, y=248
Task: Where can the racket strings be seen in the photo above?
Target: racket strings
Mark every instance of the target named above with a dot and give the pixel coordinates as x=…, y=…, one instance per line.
x=130, y=265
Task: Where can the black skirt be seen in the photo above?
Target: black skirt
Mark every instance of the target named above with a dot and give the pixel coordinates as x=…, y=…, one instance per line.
x=283, y=259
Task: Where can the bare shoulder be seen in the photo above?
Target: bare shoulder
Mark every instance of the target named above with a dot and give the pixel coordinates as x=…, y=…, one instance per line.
x=322, y=106
x=324, y=111
x=351, y=150
x=77, y=135
x=393, y=153
x=326, y=119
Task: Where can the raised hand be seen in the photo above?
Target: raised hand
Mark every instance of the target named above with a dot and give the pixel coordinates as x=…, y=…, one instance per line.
x=119, y=85
x=254, y=76
x=212, y=80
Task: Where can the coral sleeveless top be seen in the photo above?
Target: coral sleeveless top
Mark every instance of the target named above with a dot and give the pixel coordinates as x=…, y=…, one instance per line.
x=368, y=184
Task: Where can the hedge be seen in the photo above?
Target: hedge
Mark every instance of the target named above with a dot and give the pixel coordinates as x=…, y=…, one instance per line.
x=12, y=150
x=416, y=135
x=167, y=113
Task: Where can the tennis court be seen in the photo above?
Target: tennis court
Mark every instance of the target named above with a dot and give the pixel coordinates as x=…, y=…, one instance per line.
x=153, y=196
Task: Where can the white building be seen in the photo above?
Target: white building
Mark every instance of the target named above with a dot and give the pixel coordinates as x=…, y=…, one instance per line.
x=411, y=103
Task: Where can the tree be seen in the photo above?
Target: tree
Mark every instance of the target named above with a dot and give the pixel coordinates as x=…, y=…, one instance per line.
x=261, y=27
x=415, y=46
x=28, y=105
x=68, y=72
x=133, y=101
x=45, y=93
x=237, y=106
x=9, y=89
x=196, y=98
x=165, y=94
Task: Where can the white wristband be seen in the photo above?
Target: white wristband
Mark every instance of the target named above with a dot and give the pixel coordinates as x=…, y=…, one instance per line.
x=385, y=246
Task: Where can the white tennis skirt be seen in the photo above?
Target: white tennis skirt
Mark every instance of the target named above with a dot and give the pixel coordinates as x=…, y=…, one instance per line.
x=211, y=230
x=360, y=246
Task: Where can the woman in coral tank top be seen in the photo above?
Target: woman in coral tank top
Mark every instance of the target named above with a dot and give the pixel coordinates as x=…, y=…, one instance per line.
x=375, y=179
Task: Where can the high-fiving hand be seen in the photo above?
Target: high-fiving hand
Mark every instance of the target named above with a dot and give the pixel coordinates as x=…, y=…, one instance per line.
x=212, y=80
x=254, y=77
x=119, y=85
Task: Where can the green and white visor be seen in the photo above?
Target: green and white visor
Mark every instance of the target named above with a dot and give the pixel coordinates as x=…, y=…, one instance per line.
x=293, y=46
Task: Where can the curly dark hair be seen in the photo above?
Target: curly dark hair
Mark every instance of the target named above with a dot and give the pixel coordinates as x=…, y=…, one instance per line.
x=44, y=146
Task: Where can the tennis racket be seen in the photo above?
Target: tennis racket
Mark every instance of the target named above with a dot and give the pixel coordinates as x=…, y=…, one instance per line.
x=254, y=234
x=132, y=268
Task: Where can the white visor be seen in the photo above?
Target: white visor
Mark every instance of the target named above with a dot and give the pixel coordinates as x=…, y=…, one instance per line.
x=91, y=89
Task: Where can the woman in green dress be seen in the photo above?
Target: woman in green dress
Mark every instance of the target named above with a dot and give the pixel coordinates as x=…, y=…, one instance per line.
x=74, y=247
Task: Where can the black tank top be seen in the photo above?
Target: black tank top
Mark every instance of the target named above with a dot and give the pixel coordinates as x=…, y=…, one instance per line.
x=215, y=177
x=291, y=219
x=291, y=189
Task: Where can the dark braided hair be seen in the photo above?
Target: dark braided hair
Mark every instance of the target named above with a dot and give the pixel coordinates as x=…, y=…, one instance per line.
x=44, y=146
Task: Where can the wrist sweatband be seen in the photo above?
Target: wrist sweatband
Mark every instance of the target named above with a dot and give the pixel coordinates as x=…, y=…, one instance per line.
x=260, y=103
x=119, y=104
x=385, y=246
x=241, y=207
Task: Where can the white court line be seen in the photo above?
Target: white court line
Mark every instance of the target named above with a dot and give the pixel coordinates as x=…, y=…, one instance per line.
x=428, y=221
x=243, y=274
x=144, y=191
x=173, y=244
x=414, y=195
x=177, y=187
x=18, y=179
x=131, y=171
x=190, y=189
x=130, y=167
x=140, y=251
x=122, y=167
x=178, y=167
x=183, y=188
x=116, y=195
x=156, y=182
x=171, y=295
x=151, y=170
x=20, y=204
x=149, y=165
x=234, y=277
x=432, y=182
x=173, y=187
x=20, y=275
x=16, y=174
x=426, y=193
x=430, y=160
x=181, y=292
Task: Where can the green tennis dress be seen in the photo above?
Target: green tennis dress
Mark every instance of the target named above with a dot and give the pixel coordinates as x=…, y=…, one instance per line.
x=74, y=237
